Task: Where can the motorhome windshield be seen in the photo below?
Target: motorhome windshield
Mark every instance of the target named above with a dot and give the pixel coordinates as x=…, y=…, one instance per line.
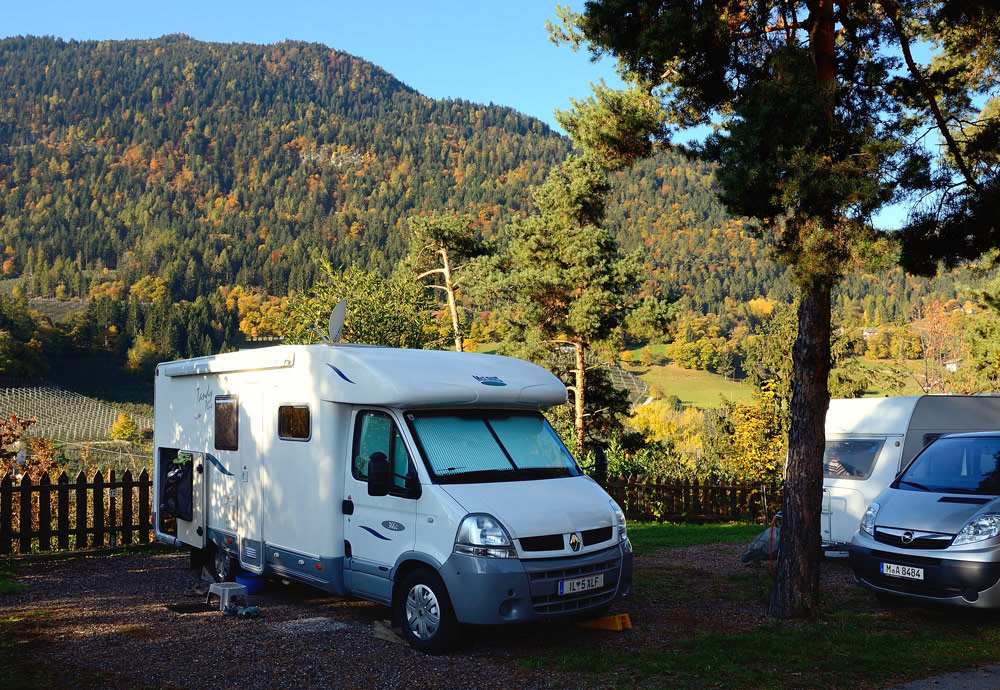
x=491, y=447
x=956, y=464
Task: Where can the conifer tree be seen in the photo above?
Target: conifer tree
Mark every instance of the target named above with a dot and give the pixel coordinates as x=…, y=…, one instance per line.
x=819, y=126
x=570, y=285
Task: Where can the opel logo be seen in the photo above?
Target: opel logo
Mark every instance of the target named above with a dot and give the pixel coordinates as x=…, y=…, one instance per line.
x=574, y=542
x=906, y=537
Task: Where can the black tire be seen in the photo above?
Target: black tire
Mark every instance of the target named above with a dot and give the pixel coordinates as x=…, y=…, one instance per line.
x=423, y=610
x=221, y=565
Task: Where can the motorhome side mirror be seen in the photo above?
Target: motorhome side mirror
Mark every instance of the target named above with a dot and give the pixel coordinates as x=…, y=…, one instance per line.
x=378, y=474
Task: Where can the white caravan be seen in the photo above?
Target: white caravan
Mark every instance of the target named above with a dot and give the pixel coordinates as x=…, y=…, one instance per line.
x=869, y=440
x=424, y=480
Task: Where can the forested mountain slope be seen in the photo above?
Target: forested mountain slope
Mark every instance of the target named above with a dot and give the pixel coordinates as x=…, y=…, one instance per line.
x=209, y=163
x=218, y=164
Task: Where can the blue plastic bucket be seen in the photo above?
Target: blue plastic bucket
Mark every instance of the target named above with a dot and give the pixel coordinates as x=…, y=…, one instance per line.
x=253, y=583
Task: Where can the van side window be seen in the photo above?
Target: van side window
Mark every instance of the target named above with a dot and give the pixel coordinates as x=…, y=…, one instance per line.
x=227, y=417
x=376, y=432
x=293, y=422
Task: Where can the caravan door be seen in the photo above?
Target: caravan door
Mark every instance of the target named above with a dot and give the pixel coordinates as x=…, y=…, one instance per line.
x=377, y=529
x=251, y=433
x=193, y=531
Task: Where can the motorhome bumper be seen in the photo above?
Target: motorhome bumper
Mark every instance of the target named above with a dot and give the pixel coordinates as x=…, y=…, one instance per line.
x=961, y=582
x=493, y=591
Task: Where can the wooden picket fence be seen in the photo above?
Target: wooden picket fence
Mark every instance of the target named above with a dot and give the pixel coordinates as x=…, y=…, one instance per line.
x=683, y=500
x=88, y=514
x=110, y=512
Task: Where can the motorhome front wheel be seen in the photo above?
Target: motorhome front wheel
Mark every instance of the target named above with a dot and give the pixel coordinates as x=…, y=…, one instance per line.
x=424, y=610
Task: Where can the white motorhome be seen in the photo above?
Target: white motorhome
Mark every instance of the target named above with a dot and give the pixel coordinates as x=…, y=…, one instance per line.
x=428, y=481
x=869, y=440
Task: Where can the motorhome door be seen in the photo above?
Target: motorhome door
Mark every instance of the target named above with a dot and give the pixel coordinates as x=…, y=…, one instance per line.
x=378, y=529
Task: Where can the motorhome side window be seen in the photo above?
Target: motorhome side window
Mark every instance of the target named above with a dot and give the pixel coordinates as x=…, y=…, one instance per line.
x=227, y=416
x=293, y=422
x=851, y=458
x=376, y=432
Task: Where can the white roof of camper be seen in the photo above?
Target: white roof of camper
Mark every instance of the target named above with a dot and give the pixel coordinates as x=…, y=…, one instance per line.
x=897, y=415
x=365, y=375
x=870, y=415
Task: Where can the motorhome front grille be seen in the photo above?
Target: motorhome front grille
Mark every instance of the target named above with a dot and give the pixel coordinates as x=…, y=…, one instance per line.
x=909, y=540
x=596, y=536
x=574, y=602
x=547, y=542
x=545, y=583
x=556, y=542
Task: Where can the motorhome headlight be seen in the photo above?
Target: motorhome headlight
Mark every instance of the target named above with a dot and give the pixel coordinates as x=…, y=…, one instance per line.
x=868, y=519
x=979, y=528
x=619, y=519
x=483, y=535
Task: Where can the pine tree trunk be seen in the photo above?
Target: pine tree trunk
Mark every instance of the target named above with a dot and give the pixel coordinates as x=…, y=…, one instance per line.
x=796, y=582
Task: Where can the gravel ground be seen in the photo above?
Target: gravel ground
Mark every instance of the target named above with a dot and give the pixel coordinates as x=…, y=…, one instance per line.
x=126, y=622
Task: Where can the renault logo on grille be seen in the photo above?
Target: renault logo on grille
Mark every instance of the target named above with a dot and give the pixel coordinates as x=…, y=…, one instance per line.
x=906, y=537
x=574, y=542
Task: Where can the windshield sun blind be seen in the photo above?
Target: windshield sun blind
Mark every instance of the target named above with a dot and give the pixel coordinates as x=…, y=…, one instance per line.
x=465, y=448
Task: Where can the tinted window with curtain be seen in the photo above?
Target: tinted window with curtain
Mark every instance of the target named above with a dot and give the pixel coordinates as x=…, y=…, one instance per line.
x=227, y=417
x=293, y=422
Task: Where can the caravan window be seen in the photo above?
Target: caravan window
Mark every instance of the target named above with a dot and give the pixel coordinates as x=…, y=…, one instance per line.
x=376, y=432
x=227, y=417
x=293, y=422
x=851, y=458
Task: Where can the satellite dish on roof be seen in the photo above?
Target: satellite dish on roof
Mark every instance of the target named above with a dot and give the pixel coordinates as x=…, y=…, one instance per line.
x=337, y=317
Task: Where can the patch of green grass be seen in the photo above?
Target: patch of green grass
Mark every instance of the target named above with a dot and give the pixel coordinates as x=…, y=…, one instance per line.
x=646, y=537
x=695, y=388
x=841, y=649
x=17, y=669
x=669, y=582
x=7, y=583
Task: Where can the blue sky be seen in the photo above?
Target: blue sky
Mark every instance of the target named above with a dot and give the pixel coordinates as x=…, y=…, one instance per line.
x=480, y=50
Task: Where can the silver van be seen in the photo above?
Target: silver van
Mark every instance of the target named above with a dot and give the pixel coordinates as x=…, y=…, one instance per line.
x=934, y=534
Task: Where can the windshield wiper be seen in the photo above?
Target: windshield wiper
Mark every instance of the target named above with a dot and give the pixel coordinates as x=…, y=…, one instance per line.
x=914, y=484
x=450, y=470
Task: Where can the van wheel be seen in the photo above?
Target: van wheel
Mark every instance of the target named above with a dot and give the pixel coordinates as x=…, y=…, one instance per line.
x=422, y=607
x=222, y=565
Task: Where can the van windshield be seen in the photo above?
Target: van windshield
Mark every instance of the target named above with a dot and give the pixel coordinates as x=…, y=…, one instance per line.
x=956, y=464
x=491, y=447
